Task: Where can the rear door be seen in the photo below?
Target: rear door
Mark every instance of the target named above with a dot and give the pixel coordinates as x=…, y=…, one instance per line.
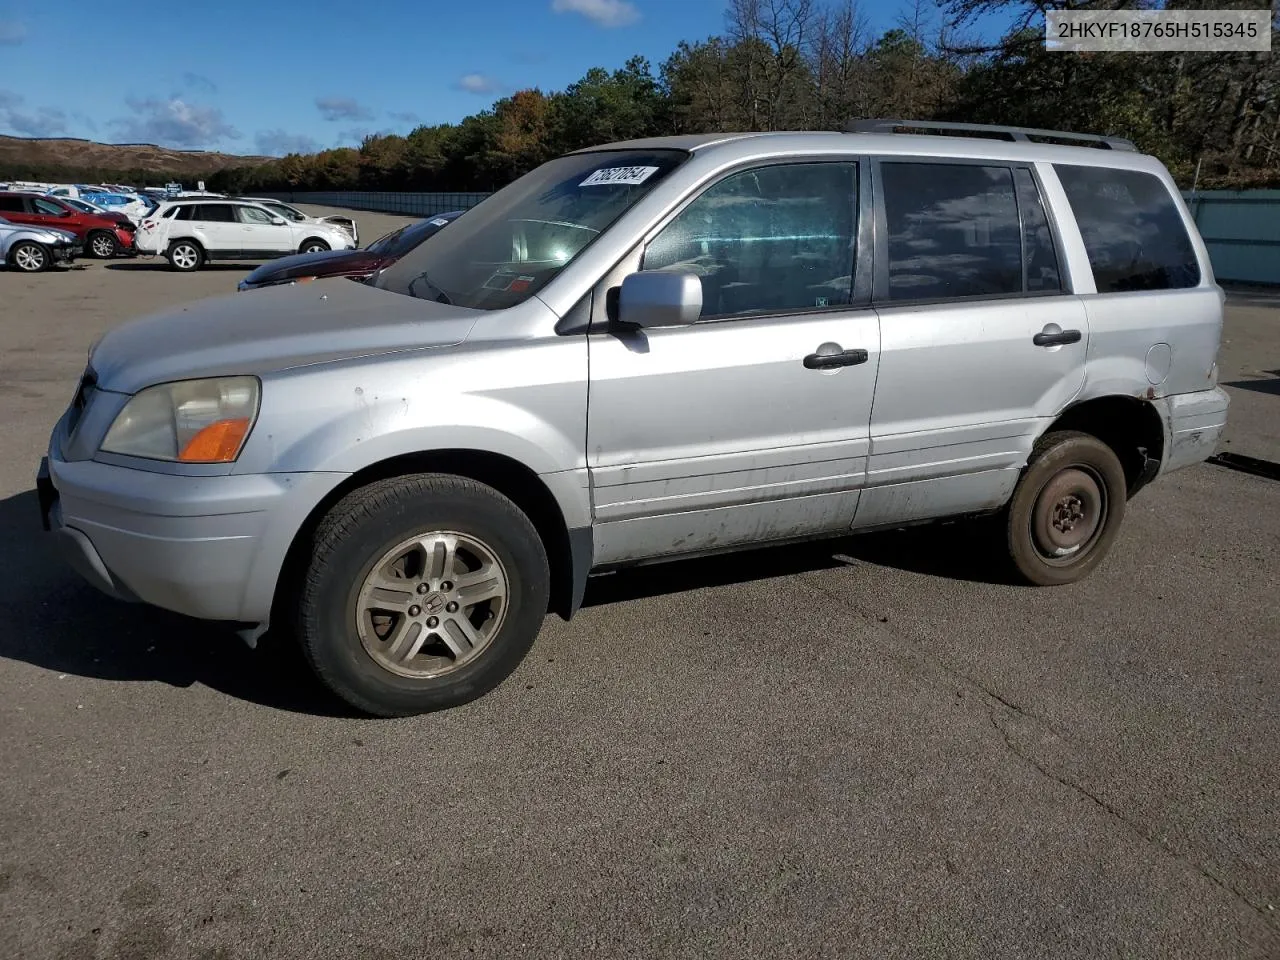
x=216, y=227
x=261, y=237
x=734, y=429
x=982, y=342
x=13, y=207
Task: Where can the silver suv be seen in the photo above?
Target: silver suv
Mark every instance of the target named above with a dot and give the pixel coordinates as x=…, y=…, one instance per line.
x=643, y=351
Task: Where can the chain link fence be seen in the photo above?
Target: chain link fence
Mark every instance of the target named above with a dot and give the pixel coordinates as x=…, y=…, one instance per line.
x=408, y=204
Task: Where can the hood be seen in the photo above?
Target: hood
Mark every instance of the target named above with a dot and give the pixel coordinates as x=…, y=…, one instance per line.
x=325, y=263
x=275, y=329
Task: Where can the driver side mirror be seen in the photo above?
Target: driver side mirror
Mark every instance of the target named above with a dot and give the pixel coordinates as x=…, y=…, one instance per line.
x=278, y=221
x=657, y=298
x=64, y=212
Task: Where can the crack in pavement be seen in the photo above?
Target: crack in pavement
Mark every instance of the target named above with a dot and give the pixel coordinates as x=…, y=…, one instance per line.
x=1265, y=912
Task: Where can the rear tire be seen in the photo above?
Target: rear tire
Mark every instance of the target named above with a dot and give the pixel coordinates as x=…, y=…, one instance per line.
x=422, y=593
x=102, y=245
x=314, y=245
x=30, y=257
x=1066, y=511
x=185, y=256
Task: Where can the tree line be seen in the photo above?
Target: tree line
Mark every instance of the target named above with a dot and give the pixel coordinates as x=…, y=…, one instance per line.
x=1213, y=118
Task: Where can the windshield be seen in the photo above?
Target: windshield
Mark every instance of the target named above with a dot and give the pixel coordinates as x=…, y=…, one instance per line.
x=399, y=242
x=514, y=243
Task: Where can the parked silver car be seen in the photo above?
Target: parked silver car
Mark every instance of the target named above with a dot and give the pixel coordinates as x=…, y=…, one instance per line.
x=31, y=249
x=642, y=351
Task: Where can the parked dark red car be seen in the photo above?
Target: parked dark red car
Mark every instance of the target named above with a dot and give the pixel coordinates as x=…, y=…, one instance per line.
x=102, y=236
x=356, y=264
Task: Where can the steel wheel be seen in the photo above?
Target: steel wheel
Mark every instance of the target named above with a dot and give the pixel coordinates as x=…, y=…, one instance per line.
x=185, y=256
x=432, y=604
x=103, y=246
x=30, y=257
x=1068, y=515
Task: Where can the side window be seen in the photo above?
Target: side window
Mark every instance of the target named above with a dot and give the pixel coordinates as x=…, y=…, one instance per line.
x=774, y=239
x=253, y=215
x=11, y=203
x=44, y=206
x=1038, y=255
x=1132, y=230
x=214, y=213
x=953, y=230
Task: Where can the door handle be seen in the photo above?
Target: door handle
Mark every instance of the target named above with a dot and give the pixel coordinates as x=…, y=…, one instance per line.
x=1054, y=338
x=844, y=358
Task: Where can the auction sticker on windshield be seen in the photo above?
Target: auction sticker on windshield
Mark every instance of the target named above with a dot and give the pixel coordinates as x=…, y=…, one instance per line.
x=630, y=175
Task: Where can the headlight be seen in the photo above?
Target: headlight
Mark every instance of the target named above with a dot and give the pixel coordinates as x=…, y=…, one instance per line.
x=191, y=421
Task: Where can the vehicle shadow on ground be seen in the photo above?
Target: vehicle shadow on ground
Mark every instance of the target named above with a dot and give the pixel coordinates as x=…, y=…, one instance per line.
x=58, y=622
x=1270, y=384
x=160, y=263
x=963, y=550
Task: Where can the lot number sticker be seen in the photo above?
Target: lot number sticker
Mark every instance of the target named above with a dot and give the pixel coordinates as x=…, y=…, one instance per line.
x=629, y=175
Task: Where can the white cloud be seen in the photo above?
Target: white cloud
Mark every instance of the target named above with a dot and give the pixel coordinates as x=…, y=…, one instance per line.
x=604, y=13
x=12, y=33
x=342, y=108
x=40, y=122
x=174, y=122
x=276, y=143
x=477, y=83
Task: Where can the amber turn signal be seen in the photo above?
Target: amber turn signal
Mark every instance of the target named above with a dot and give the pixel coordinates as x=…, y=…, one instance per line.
x=219, y=442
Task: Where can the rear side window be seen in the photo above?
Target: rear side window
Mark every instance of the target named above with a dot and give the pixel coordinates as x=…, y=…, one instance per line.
x=1132, y=230
x=776, y=239
x=12, y=203
x=1038, y=252
x=953, y=231
x=214, y=213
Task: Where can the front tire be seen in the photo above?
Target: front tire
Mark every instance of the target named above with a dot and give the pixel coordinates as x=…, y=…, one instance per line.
x=422, y=593
x=314, y=245
x=185, y=256
x=30, y=257
x=103, y=245
x=1067, y=509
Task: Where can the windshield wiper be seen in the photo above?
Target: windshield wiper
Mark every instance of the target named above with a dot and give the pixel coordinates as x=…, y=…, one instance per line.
x=422, y=278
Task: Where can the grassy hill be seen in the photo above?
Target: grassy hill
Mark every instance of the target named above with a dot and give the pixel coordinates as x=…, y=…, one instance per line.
x=74, y=159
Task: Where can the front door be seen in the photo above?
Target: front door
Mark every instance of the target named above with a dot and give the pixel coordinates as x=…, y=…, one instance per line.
x=262, y=237
x=982, y=341
x=750, y=424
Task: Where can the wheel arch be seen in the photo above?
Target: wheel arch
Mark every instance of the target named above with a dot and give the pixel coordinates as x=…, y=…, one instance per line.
x=568, y=550
x=316, y=239
x=1130, y=426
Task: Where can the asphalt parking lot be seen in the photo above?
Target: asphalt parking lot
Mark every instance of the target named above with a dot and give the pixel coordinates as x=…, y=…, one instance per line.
x=867, y=748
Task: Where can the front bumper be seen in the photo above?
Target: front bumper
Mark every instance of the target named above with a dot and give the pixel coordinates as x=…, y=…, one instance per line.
x=205, y=546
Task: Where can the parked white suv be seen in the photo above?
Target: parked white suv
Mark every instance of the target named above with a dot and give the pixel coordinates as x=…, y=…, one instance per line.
x=189, y=232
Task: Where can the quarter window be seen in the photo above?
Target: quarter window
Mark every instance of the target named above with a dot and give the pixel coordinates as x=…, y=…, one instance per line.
x=1132, y=230
x=953, y=231
x=775, y=239
x=11, y=202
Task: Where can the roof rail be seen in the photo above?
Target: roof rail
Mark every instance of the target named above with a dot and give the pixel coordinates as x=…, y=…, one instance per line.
x=1023, y=134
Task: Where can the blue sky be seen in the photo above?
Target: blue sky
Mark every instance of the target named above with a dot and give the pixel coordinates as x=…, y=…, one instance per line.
x=276, y=75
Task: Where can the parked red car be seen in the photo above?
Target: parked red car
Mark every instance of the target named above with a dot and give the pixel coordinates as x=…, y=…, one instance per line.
x=102, y=236
x=355, y=264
